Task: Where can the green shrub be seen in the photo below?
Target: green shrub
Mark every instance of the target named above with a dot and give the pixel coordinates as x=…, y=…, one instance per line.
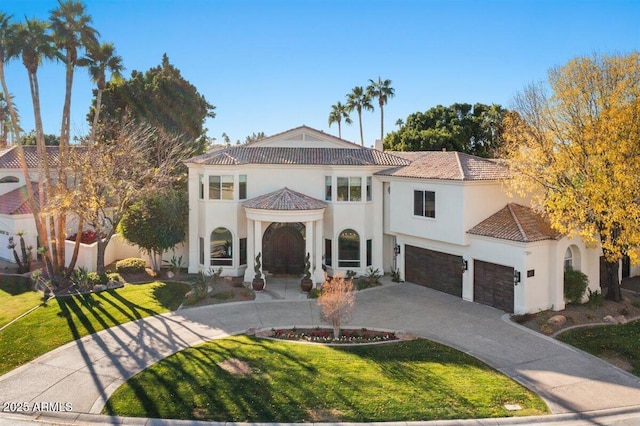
x=395, y=275
x=93, y=278
x=131, y=265
x=575, y=284
x=373, y=275
x=114, y=276
x=315, y=293
x=596, y=299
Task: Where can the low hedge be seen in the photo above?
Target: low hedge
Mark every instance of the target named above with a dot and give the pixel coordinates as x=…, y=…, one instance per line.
x=131, y=265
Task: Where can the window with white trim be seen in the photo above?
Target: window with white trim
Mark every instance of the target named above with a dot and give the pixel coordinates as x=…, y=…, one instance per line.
x=221, y=187
x=350, y=188
x=424, y=203
x=328, y=189
x=349, y=249
x=221, y=247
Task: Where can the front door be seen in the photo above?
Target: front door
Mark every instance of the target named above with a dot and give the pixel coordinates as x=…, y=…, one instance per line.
x=285, y=250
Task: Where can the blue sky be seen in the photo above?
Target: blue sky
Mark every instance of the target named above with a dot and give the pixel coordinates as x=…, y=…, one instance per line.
x=272, y=65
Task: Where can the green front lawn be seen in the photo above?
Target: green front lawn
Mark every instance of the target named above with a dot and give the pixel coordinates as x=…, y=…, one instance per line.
x=16, y=297
x=622, y=341
x=289, y=382
x=65, y=319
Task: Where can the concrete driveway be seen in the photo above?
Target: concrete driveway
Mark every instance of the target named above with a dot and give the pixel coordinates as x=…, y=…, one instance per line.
x=85, y=372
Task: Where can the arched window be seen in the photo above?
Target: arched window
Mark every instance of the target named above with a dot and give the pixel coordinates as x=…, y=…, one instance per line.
x=221, y=248
x=349, y=249
x=568, y=259
x=9, y=179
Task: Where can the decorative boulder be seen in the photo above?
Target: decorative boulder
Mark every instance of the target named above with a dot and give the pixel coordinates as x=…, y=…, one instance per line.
x=114, y=284
x=557, y=320
x=610, y=320
x=621, y=319
x=99, y=287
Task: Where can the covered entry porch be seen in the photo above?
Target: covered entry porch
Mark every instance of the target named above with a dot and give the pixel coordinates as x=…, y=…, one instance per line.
x=283, y=226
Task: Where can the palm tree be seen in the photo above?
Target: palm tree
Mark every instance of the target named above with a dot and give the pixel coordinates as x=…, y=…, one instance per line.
x=359, y=99
x=400, y=122
x=72, y=31
x=35, y=44
x=99, y=60
x=382, y=90
x=338, y=113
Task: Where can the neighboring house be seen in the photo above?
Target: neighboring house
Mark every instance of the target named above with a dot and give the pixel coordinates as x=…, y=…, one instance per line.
x=17, y=217
x=442, y=219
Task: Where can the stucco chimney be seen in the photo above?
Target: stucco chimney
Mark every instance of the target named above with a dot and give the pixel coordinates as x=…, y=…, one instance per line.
x=378, y=145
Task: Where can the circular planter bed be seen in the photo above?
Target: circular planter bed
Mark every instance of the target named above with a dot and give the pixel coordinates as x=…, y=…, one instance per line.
x=325, y=335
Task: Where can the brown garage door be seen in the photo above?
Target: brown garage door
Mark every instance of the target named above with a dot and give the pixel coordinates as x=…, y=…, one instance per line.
x=434, y=269
x=493, y=285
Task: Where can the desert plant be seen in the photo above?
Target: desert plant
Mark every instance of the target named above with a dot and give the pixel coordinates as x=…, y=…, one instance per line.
x=315, y=293
x=81, y=279
x=24, y=259
x=596, y=299
x=336, y=302
x=203, y=281
x=575, y=284
x=350, y=274
x=395, y=275
x=373, y=275
x=175, y=264
x=131, y=265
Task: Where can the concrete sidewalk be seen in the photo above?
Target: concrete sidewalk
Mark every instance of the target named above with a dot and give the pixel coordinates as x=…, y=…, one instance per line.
x=85, y=372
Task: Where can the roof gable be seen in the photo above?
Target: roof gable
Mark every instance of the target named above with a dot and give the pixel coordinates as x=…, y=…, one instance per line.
x=516, y=223
x=303, y=137
x=284, y=199
x=15, y=202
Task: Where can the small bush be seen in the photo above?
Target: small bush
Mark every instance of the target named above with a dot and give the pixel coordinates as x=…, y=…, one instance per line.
x=636, y=304
x=575, y=284
x=596, y=299
x=373, y=275
x=315, y=293
x=114, y=276
x=224, y=295
x=132, y=265
x=546, y=329
x=395, y=275
x=521, y=319
x=93, y=278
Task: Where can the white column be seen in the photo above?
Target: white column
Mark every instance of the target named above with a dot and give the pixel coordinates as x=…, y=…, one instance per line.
x=308, y=239
x=251, y=253
x=258, y=245
x=318, y=274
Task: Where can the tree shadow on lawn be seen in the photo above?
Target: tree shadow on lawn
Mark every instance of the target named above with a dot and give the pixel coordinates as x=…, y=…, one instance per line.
x=15, y=284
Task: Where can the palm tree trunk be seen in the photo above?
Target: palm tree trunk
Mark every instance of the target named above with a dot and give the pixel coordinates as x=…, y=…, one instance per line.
x=96, y=115
x=43, y=187
x=361, y=134
x=381, y=123
x=339, y=130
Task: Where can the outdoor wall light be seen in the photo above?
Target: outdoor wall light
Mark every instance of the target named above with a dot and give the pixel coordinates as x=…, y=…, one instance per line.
x=516, y=277
x=396, y=249
x=465, y=265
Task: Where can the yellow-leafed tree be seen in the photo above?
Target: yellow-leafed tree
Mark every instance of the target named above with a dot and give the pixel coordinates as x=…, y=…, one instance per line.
x=574, y=145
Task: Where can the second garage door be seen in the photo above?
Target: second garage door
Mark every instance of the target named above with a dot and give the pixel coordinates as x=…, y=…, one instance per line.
x=434, y=269
x=493, y=285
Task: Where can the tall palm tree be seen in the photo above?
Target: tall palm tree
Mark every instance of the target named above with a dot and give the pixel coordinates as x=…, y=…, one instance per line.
x=35, y=44
x=72, y=31
x=359, y=99
x=338, y=113
x=99, y=60
x=381, y=90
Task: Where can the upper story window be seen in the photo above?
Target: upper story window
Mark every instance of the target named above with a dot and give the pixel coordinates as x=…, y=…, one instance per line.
x=328, y=191
x=201, y=186
x=350, y=188
x=424, y=203
x=369, y=188
x=242, y=186
x=221, y=187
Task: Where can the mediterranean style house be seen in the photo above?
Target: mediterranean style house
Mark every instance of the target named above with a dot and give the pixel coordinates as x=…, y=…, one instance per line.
x=441, y=219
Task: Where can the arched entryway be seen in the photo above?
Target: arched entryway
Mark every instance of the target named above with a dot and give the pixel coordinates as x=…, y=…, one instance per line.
x=283, y=247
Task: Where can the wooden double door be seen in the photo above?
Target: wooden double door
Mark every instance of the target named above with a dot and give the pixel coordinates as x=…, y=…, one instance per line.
x=284, y=247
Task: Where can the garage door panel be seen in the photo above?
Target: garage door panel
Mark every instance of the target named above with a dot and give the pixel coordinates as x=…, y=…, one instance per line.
x=436, y=270
x=493, y=285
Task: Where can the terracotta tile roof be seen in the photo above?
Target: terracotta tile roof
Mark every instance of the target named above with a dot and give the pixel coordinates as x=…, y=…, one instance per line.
x=9, y=157
x=284, y=199
x=449, y=165
x=516, y=223
x=15, y=202
x=246, y=154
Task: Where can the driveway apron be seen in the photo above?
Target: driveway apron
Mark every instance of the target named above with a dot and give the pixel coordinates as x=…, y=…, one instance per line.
x=85, y=372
